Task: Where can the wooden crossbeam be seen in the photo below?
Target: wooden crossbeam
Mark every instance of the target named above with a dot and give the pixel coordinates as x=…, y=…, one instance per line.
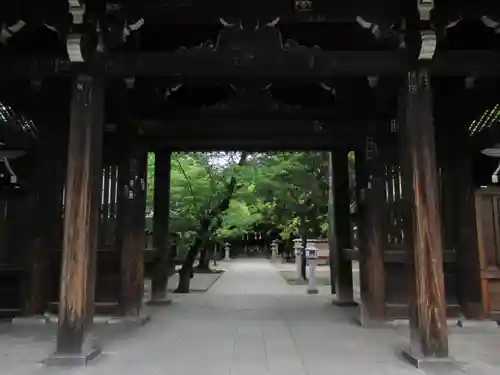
x=247, y=127
x=202, y=12
x=313, y=65
x=293, y=65
x=246, y=134
x=214, y=115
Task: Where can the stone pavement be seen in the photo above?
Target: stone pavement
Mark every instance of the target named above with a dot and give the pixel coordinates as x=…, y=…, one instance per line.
x=252, y=322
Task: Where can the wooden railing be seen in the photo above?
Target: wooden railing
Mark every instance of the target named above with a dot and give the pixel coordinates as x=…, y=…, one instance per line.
x=398, y=255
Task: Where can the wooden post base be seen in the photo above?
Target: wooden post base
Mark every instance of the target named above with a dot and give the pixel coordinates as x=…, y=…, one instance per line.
x=72, y=360
x=364, y=319
x=345, y=303
x=478, y=324
x=90, y=351
x=430, y=363
x=35, y=320
x=97, y=320
x=131, y=321
x=159, y=302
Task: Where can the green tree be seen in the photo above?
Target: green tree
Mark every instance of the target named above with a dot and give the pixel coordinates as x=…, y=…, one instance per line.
x=216, y=196
x=211, y=216
x=294, y=189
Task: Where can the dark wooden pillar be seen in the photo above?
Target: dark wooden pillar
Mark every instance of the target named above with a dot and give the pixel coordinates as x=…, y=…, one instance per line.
x=464, y=214
x=423, y=229
x=45, y=189
x=44, y=217
x=339, y=228
x=465, y=239
x=357, y=235
x=373, y=238
x=161, y=217
x=132, y=203
x=76, y=308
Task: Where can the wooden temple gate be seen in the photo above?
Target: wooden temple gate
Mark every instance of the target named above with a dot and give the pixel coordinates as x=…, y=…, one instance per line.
x=405, y=91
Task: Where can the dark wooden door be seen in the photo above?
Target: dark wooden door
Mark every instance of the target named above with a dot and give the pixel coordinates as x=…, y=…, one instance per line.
x=488, y=232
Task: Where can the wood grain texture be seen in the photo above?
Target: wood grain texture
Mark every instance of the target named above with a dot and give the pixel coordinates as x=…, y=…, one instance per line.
x=487, y=203
x=374, y=237
x=133, y=235
x=339, y=226
x=81, y=214
x=423, y=231
x=465, y=237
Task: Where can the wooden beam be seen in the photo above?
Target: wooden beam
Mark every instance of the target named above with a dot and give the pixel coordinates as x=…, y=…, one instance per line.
x=254, y=144
x=233, y=113
x=339, y=228
x=161, y=227
x=423, y=232
x=399, y=255
x=264, y=127
x=279, y=64
x=76, y=307
x=239, y=135
x=210, y=67
x=201, y=13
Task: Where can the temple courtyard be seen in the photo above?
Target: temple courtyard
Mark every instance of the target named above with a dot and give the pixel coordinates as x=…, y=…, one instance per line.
x=249, y=322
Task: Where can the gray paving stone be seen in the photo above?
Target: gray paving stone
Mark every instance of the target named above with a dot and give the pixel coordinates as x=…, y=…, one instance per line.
x=249, y=322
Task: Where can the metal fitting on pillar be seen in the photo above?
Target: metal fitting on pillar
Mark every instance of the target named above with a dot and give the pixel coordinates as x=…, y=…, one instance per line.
x=74, y=40
x=425, y=8
x=372, y=81
x=470, y=82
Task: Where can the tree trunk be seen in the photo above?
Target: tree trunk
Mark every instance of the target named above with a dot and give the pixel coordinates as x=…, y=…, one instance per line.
x=204, y=231
x=204, y=262
x=186, y=271
x=184, y=281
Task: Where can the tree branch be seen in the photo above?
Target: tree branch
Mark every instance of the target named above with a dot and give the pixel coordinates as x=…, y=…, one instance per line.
x=188, y=180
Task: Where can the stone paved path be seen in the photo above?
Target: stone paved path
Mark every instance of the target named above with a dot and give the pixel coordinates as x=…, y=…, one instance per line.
x=252, y=322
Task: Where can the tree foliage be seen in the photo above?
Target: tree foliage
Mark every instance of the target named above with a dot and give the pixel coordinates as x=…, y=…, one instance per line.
x=286, y=191
x=293, y=188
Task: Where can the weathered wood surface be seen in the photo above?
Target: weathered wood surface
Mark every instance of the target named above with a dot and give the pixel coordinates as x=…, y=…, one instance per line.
x=488, y=227
x=161, y=224
x=82, y=200
x=466, y=240
x=374, y=232
x=133, y=239
x=423, y=233
x=241, y=134
x=339, y=226
x=361, y=180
